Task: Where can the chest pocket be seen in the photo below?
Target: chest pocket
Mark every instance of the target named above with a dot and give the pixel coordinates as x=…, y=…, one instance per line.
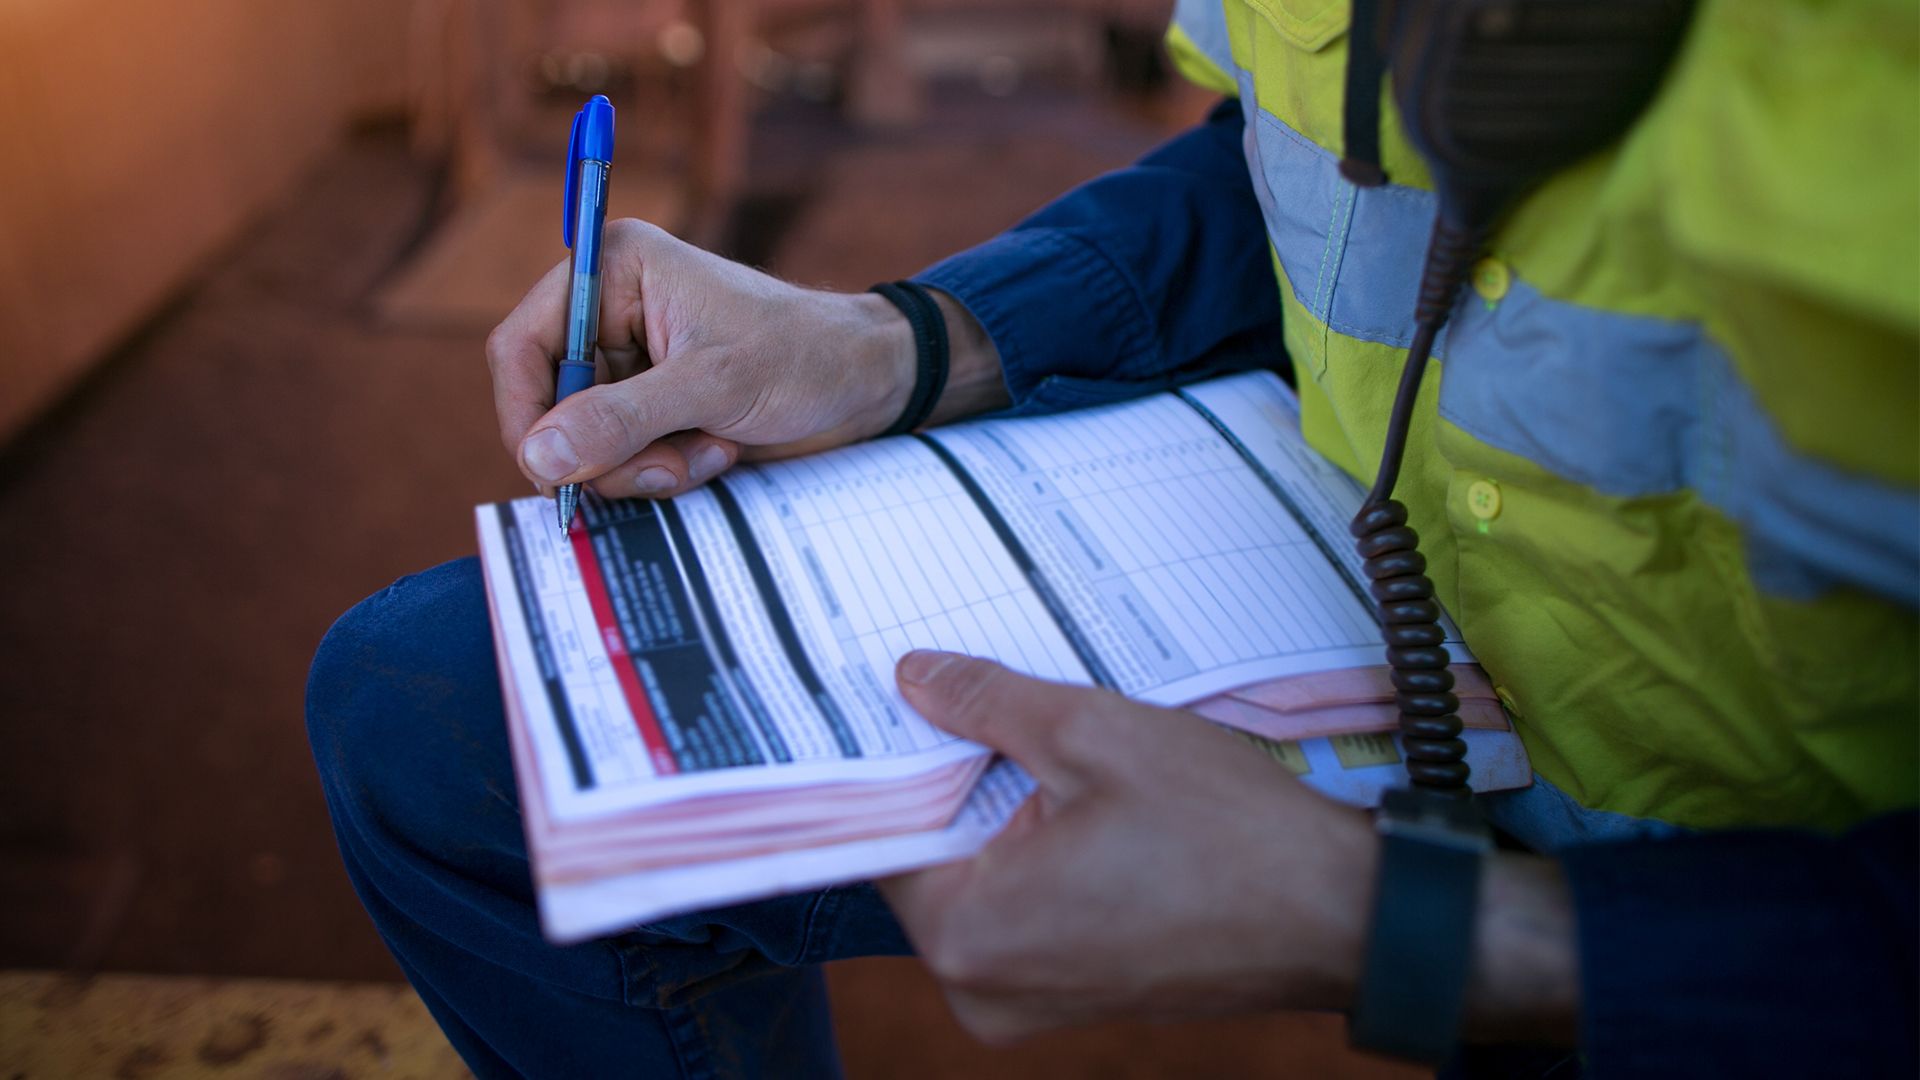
x=1308, y=24
x=1351, y=256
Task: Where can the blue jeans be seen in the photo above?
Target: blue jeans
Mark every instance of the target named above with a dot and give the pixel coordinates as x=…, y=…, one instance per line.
x=403, y=708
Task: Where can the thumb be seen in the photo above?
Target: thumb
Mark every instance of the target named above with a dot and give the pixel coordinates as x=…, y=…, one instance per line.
x=603, y=426
x=1017, y=715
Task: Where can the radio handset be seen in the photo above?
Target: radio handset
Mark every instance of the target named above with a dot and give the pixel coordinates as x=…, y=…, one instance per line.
x=1495, y=95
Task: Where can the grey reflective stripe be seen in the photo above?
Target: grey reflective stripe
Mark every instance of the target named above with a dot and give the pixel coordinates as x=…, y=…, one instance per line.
x=1352, y=255
x=1205, y=24
x=1636, y=406
x=1547, y=819
x=1628, y=405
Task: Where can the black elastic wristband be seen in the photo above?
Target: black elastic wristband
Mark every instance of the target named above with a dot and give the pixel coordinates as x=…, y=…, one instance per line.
x=930, y=350
x=1413, y=988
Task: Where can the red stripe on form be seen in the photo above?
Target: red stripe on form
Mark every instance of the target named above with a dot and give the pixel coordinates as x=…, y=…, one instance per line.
x=643, y=716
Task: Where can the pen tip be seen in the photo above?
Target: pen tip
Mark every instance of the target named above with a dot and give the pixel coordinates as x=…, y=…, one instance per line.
x=567, y=498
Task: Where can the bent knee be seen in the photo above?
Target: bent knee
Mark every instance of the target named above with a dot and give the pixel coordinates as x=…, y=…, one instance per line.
x=403, y=692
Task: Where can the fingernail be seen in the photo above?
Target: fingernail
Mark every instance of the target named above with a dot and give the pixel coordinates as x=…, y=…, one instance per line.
x=550, y=456
x=705, y=462
x=653, y=480
x=922, y=666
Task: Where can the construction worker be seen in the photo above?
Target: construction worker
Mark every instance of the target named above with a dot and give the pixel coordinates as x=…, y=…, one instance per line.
x=1665, y=474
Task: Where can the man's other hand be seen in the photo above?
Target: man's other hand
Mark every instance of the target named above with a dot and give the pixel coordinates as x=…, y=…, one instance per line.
x=1168, y=868
x=1164, y=868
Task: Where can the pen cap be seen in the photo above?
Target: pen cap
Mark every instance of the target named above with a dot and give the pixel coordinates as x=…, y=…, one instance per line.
x=591, y=140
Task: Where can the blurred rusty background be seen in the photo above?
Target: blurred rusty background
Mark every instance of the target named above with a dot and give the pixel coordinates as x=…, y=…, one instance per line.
x=248, y=257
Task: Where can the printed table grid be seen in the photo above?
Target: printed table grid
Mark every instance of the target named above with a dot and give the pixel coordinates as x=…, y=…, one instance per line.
x=1181, y=516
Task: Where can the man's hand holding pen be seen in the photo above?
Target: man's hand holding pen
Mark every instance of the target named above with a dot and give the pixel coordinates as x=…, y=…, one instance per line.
x=705, y=361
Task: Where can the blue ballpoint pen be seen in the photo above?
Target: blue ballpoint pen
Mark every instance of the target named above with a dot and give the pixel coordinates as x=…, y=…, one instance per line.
x=589, y=159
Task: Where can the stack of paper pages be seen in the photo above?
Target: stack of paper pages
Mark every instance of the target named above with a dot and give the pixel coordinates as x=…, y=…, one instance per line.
x=700, y=691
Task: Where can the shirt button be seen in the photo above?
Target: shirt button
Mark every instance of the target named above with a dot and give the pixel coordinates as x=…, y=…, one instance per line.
x=1483, y=498
x=1507, y=703
x=1491, y=279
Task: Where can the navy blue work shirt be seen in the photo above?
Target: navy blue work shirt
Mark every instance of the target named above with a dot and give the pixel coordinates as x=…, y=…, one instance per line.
x=1759, y=953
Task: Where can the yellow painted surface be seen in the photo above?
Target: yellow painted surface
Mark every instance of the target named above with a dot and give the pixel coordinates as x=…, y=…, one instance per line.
x=148, y=1027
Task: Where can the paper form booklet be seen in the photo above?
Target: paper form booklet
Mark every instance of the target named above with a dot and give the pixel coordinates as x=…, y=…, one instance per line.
x=700, y=691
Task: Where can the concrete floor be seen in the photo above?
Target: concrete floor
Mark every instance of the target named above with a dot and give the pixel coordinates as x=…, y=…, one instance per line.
x=179, y=535
x=153, y=1027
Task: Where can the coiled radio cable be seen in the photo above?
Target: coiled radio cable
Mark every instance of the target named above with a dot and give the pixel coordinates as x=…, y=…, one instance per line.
x=1409, y=616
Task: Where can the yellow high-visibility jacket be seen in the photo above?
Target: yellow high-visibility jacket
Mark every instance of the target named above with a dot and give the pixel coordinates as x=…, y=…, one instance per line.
x=1665, y=465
